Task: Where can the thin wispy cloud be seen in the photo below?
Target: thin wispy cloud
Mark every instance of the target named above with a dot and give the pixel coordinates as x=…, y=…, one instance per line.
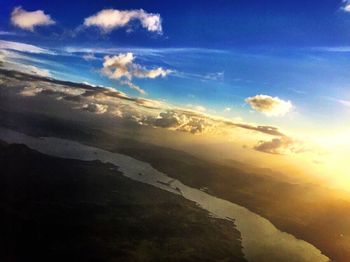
x=141, y=50
x=335, y=49
x=22, y=47
x=133, y=87
x=8, y=33
x=344, y=102
x=89, y=57
x=14, y=60
x=198, y=108
x=28, y=69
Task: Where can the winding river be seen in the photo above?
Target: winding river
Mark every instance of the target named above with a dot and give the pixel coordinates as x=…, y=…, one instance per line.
x=261, y=240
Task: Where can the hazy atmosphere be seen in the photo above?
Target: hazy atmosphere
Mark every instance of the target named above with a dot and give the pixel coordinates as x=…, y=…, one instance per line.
x=226, y=122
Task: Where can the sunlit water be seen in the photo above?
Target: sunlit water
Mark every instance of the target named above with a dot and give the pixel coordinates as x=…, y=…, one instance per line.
x=261, y=240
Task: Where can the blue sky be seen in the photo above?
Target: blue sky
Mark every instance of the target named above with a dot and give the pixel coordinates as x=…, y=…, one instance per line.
x=219, y=24
x=219, y=53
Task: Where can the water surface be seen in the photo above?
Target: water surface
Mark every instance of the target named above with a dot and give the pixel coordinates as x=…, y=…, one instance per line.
x=261, y=240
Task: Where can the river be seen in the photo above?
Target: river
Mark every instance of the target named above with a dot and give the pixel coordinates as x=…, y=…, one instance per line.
x=261, y=240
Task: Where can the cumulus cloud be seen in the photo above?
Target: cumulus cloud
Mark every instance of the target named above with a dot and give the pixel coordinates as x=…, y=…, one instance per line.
x=268, y=105
x=281, y=145
x=95, y=108
x=275, y=146
x=122, y=66
x=27, y=20
x=118, y=66
x=167, y=119
x=179, y=120
x=110, y=19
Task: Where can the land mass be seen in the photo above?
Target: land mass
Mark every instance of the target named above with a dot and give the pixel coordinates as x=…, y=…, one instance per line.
x=315, y=214
x=56, y=209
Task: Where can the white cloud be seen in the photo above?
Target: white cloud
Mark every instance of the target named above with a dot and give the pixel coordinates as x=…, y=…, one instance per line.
x=346, y=6
x=27, y=20
x=227, y=109
x=118, y=66
x=110, y=19
x=153, y=73
x=268, y=105
x=22, y=47
x=123, y=66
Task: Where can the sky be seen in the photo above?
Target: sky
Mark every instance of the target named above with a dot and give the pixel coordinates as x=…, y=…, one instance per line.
x=281, y=63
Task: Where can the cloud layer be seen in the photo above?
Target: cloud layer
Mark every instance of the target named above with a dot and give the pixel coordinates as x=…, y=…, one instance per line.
x=27, y=20
x=111, y=103
x=149, y=112
x=268, y=105
x=22, y=47
x=13, y=60
x=110, y=19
